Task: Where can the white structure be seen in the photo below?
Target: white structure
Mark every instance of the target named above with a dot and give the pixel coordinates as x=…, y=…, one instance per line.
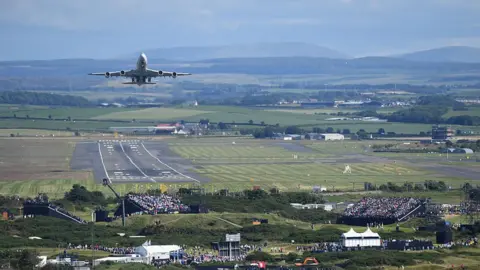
x=347, y=169
x=324, y=206
x=130, y=258
x=365, y=239
x=331, y=137
x=156, y=252
x=43, y=261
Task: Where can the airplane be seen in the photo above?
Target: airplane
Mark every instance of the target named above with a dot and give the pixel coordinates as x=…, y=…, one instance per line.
x=141, y=74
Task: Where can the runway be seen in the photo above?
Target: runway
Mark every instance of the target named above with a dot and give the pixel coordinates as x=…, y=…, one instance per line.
x=131, y=161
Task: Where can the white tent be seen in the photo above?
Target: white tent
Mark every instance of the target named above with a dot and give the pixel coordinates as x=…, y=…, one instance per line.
x=156, y=252
x=365, y=239
x=351, y=238
x=370, y=239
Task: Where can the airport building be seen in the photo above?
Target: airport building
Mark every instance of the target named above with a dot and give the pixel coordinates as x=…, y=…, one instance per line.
x=331, y=137
x=442, y=133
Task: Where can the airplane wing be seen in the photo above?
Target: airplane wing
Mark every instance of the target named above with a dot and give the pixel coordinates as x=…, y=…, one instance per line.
x=107, y=74
x=161, y=73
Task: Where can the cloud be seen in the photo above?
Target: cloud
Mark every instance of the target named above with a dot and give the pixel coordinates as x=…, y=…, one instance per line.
x=353, y=26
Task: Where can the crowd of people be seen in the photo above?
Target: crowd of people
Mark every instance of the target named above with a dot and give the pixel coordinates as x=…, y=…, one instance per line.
x=158, y=204
x=113, y=250
x=382, y=208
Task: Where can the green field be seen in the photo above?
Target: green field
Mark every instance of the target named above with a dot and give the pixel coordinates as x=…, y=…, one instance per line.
x=240, y=152
x=61, y=112
x=472, y=111
x=329, y=110
x=307, y=119
x=305, y=176
x=96, y=95
x=34, y=132
x=154, y=114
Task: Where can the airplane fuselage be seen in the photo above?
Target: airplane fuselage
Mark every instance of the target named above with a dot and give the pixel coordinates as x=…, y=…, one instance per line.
x=141, y=74
x=141, y=71
x=142, y=63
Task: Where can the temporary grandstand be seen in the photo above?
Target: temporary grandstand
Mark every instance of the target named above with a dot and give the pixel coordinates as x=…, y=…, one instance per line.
x=152, y=204
x=370, y=211
x=42, y=207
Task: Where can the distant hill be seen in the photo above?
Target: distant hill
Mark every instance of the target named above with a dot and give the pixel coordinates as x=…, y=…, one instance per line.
x=446, y=54
x=281, y=49
x=251, y=65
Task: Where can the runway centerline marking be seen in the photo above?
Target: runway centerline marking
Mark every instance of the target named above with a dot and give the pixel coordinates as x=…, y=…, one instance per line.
x=101, y=159
x=133, y=163
x=186, y=176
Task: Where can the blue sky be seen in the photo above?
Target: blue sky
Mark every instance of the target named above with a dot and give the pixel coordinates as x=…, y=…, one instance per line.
x=46, y=29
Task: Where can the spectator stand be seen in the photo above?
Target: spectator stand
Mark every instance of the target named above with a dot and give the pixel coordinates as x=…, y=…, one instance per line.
x=382, y=211
x=138, y=204
x=40, y=206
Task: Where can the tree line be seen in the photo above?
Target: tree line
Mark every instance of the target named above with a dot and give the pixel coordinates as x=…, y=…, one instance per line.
x=45, y=99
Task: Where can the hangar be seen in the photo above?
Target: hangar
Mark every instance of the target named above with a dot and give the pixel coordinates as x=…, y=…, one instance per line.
x=331, y=137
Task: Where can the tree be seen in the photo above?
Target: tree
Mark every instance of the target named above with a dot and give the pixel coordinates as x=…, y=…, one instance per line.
x=346, y=131
x=262, y=123
x=330, y=130
x=222, y=125
x=69, y=118
x=381, y=131
x=50, y=116
x=26, y=260
x=293, y=130
x=250, y=122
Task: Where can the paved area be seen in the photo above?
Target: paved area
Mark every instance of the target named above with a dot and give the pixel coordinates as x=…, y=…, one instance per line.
x=124, y=161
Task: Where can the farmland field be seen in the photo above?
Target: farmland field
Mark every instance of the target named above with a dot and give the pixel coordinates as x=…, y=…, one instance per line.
x=61, y=112
x=154, y=114
x=329, y=110
x=472, y=111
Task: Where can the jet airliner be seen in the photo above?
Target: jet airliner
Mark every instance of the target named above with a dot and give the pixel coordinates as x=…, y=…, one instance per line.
x=141, y=74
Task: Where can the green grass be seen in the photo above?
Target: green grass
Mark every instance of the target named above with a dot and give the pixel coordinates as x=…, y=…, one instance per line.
x=305, y=176
x=74, y=113
x=95, y=95
x=472, y=111
x=238, y=152
x=60, y=125
x=56, y=188
x=33, y=132
x=329, y=110
x=154, y=114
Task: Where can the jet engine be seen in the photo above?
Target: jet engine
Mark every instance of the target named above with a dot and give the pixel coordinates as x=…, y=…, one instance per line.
x=174, y=74
x=122, y=72
x=107, y=74
x=160, y=72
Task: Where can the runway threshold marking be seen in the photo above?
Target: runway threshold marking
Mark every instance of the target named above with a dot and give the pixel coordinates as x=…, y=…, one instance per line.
x=101, y=159
x=186, y=176
x=133, y=163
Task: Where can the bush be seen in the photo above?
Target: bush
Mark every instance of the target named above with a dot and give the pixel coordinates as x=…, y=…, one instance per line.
x=259, y=201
